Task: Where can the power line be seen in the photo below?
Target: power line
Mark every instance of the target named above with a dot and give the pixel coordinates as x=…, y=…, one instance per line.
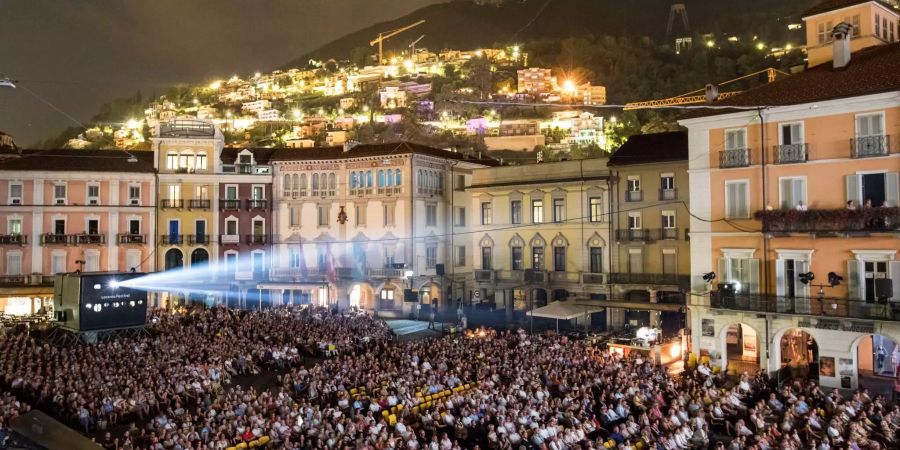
x=607, y=106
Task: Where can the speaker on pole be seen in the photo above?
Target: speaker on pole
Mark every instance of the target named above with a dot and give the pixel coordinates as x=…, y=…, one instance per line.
x=439, y=269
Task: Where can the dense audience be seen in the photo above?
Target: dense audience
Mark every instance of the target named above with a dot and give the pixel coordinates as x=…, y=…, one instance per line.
x=342, y=382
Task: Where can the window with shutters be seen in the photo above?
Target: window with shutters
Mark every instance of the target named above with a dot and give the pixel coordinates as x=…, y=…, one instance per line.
x=58, y=261
x=133, y=260
x=431, y=215
x=389, y=214
x=559, y=210
x=596, y=259
x=791, y=133
x=739, y=267
x=359, y=214
x=460, y=259
x=737, y=199
x=460, y=217
x=635, y=260
x=559, y=259
x=792, y=193
x=537, y=211
x=14, y=263
x=515, y=211
x=870, y=125
x=873, y=276
x=669, y=261
x=516, y=256
x=487, y=258
x=537, y=258
x=322, y=218
x=14, y=226
x=736, y=139
x=487, y=216
x=294, y=214
x=596, y=207
x=15, y=194
x=430, y=256
x=91, y=261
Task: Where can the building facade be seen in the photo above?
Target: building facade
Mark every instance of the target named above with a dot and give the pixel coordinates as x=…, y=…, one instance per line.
x=651, y=259
x=794, y=229
x=72, y=210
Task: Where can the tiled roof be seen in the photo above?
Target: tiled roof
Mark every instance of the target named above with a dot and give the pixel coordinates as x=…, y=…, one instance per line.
x=873, y=70
x=375, y=150
x=831, y=5
x=651, y=148
x=80, y=161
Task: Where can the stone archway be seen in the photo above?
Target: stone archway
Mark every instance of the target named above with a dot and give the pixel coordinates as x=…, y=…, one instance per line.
x=174, y=259
x=740, y=348
x=362, y=296
x=538, y=297
x=798, y=355
x=199, y=257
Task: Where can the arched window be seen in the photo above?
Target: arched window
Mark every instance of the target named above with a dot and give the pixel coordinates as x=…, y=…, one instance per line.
x=352, y=180
x=389, y=178
x=315, y=184
x=186, y=160
x=369, y=179
x=332, y=183
x=440, y=180
x=381, y=178
x=301, y=185
x=172, y=160
x=420, y=182
x=286, y=189
x=397, y=179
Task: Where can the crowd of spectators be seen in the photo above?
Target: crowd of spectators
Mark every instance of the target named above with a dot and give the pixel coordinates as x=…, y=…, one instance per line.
x=342, y=382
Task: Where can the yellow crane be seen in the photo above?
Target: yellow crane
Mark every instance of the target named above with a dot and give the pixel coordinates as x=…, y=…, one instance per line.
x=693, y=96
x=384, y=35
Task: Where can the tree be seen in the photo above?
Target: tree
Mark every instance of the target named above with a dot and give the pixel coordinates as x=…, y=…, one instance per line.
x=360, y=56
x=480, y=76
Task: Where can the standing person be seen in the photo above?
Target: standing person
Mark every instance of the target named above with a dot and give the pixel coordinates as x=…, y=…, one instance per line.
x=431, y=319
x=463, y=322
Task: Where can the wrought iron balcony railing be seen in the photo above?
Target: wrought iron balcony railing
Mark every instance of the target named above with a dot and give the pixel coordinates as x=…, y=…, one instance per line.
x=633, y=235
x=665, y=279
x=822, y=307
x=198, y=204
x=13, y=239
x=737, y=157
x=90, y=238
x=132, y=239
x=257, y=204
x=634, y=196
x=791, y=153
x=230, y=204
x=668, y=194
x=171, y=239
x=167, y=203
x=868, y=146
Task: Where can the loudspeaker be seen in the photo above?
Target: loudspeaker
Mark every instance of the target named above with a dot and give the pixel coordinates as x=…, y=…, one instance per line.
x=529, y=275
x=884, y=288
x=439, y=269
x=409, y=296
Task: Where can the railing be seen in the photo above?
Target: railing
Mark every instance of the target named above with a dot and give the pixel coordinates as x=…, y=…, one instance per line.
x=538, y=276
x=867, y=146
x=848, y=221
x=198, y=239
x=132, y=239
x=738, y=157
x=292, y=273
x=593, y=278
x=668, y=234
x=257, y=239
x=230, y=204
x=822, y=307
x=633, y=235
x=94, y=238
x=564, y=277
x=229, y=239
x=171, y=203
x=634, y=196
x=257, y=204
x=13, y=239
x=511, y=275
x=362, y=191
x=665, y=279
x=430, y=191
x=171, y=239
x=198, y=204
x=55, y=239
x=484, y=275
x=12, y=279
x=791, y=153
x=244, y=168
x=668, y=194
x=386, y=272
x=388, y=190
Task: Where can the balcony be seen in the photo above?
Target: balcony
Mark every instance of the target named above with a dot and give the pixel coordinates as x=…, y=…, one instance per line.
x=668, y=234
x=12, y=279
x=510, y=275
x=830, y=221
x=393, y=190
x=484, y=276
x=869, y=146
x=231, y=239
x=168, y=203
x=663, y=279
x=257, y=239
x=171, y=239
x=593, y=278
x=633, y=235
x=564, y=277
x=386, y=272
x=231, y=204
x=791, y=153
x=90, y=238
x=634, y=196
x=668, y=194
x=737, y=157
x=257, y=204
x=824, y=308
x=292, y=274
x=198, y=239
x=132, y=239
x=198, y=204
x=13, y=239
x=55, y=239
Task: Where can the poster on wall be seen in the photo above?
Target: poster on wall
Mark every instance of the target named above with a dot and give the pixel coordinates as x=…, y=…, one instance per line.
x=749, y=339
x=708, y=328
x=826, y=366
x=845, y=382
x=845, y=367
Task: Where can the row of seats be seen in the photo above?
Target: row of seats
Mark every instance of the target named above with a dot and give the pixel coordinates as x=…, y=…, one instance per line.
x=256, y=443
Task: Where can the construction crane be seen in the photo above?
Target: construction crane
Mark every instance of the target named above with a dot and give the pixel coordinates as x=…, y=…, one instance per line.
x=413, y=47
x=384, y=35
x=6, y=82
x=698, y=96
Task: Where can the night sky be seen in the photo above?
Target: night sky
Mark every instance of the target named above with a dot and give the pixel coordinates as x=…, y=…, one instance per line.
x=80, y=54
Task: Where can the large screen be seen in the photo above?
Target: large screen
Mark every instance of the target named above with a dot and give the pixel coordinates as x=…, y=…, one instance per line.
x=105, y=304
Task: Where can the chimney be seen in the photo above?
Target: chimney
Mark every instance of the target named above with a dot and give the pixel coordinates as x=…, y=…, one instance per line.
x=841, y=45
x=349, y=144
x=712, y=93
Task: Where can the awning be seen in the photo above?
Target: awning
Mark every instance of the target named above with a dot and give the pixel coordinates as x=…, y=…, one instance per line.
x=561, y=310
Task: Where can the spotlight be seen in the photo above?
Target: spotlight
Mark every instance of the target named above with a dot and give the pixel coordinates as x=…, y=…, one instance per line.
x=114, y=284
x=834, y=279
x=805, y=278
x=708, y=277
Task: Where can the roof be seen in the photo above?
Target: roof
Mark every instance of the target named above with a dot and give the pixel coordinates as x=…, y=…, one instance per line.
x=80, y=161
x=376, y=150
x=872, y=70
x=831, y=5
x=561, y=310
x=651, y=148
x=260, y=155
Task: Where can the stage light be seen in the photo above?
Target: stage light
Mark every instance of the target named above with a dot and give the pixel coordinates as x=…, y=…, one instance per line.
x=709, y=277
x=805, y=278
x=834, y=279
x=114, y=284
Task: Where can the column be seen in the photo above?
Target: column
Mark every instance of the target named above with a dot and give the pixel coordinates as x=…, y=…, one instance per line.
x=112, y=244
x=37, y=227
